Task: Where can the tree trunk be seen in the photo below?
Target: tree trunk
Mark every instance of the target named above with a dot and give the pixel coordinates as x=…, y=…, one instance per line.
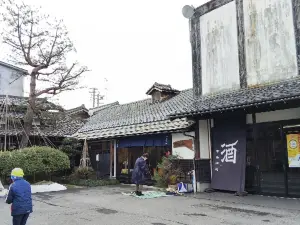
x=28, y=118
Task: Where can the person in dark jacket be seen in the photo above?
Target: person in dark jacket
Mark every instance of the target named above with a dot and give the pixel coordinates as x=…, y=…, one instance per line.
x=19, y=195
x=139, y=173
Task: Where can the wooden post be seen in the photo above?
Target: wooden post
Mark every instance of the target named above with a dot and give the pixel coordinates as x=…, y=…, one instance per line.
x=115, y=158
x=111, y=159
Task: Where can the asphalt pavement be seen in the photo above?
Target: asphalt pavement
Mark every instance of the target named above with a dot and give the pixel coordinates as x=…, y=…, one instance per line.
x=107, y=206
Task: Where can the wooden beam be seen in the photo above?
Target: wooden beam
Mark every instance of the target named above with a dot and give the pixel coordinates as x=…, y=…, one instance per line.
x=111, y=159
x=210, y=6
x=296, y=15
x=241, y=43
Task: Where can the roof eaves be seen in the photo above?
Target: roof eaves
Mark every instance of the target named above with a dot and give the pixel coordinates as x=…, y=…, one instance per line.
x=235, y=107
x=14, y=67
x=81, y=108
x=82, y=136
x=159, y=87
x=122, y=131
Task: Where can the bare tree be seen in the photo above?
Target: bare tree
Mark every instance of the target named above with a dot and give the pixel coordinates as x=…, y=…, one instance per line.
x=38, y=41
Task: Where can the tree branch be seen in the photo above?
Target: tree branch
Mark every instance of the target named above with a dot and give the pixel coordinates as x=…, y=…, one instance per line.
x=30, y=37
x=67, y=81
x=53, y=45
x=20, y=37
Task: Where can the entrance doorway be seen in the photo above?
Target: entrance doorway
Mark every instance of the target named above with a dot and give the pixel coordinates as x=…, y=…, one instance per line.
x=268, y=170
x=265, y=160
x=270, y=158
x=292, y=136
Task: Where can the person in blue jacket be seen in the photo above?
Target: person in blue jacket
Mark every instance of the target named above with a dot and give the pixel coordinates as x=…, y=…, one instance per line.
x=19, y=195
x=139, y=174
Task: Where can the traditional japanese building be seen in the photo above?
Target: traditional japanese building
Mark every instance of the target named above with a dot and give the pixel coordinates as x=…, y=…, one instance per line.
x=246, y=90
x=51, y=122
x=120, y=133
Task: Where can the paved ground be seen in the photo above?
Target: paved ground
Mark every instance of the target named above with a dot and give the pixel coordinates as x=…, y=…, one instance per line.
x=106, y=205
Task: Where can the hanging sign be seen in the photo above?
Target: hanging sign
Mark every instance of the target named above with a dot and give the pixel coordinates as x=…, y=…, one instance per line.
x=229, y=156
x=293, y=149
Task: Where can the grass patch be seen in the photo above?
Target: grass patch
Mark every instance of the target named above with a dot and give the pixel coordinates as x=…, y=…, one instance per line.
x=71, y=186
x=93, y=183
x=44, y=182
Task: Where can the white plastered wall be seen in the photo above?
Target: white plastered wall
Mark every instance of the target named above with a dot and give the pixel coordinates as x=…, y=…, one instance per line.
x=183, y=152
x=205, y=147
x=286, y=114
x=204, y=139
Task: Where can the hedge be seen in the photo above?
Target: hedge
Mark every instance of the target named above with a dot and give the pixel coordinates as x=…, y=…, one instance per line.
x=36, y=159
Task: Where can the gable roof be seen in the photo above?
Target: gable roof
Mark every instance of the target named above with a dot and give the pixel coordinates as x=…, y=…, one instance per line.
x=162, y=88
x=136, y=118
x=78, y=109
x=243, y=98
x=13, y=67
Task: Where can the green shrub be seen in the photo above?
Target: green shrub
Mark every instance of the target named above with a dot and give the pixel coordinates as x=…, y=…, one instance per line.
x=170, y=171
x=73, y=148
x=36, y=159
x=160, y=181
x=83, y=173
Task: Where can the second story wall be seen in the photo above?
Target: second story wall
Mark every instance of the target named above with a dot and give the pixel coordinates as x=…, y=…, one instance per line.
x=269, y=41
x=244, y=43
x=220, y=61
x=11, y=82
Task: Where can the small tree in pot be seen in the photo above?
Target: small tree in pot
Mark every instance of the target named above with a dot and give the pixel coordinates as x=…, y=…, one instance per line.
x=169, y=171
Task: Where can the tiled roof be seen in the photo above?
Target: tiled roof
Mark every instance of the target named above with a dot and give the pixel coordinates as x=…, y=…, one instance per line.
x=242, y=98
x=162, y=88
x=99, y=108
x=140, y=117
x=79, y=109
x=59, y=123
x=137, y=129
x=64, y=126
x=42, y=103
x=65, y=129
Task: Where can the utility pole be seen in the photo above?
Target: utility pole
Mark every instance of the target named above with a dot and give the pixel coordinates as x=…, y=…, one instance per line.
x=6, y=111
x=93, y=95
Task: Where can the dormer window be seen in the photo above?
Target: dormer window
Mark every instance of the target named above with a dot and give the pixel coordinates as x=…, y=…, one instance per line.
x=161, y=92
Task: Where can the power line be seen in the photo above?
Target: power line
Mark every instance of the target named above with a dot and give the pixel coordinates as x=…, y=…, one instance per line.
x=99, y=97
x=93, y=95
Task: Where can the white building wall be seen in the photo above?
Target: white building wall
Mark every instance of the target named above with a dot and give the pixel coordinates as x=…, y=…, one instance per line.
x=10, y=83
x=269, y=41
x=286, y=114
x=219, y=49
x=183, y=152
x=205, y=148
x=204, y=139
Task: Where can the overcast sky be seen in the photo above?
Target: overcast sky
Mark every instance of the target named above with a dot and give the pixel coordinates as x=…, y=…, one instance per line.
x=130, y=43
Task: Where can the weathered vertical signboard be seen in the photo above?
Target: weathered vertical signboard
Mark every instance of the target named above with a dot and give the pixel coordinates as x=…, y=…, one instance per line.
x=269, y=41
x=229, y=155
x=219, y=49
x=244, y=43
